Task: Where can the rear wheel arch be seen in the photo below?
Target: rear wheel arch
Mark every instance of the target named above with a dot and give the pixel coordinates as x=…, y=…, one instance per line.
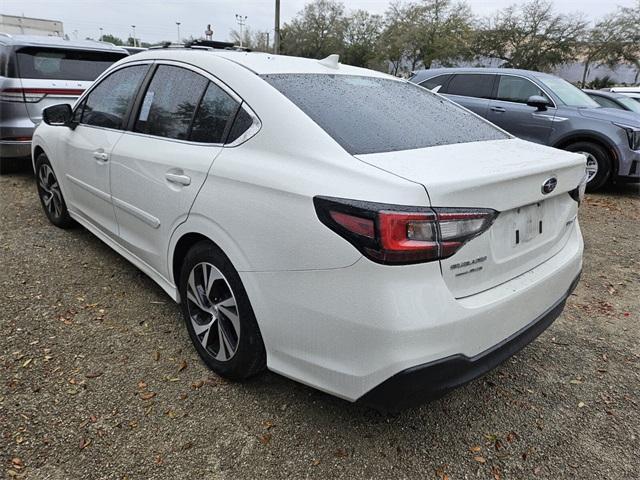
x=183, y=245
x=36, y=153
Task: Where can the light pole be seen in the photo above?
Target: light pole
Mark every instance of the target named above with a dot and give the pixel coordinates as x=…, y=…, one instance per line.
x=134, y=36
x=178, y=24
x=242, y=20
x=100, y=33
x=276, y=35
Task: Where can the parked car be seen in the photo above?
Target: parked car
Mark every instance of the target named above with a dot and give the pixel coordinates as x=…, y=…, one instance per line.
x=545, y=109
x=337, y=225
x=632, y=92
x=134, y=50
x=614, y=100
x=38, y=71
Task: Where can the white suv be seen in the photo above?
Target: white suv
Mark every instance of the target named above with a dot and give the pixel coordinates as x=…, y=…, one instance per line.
x=339, y=226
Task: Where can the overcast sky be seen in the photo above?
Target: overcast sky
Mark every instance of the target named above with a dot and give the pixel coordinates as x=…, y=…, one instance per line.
x=156, y=20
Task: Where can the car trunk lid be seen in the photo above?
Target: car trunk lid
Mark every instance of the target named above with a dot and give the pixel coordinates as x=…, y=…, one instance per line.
x=507, y=176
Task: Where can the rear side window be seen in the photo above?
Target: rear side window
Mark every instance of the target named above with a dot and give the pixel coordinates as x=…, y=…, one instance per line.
x=471, y=85
x=61, y=64
x=517, y=89
x=107, y=105
x=372, y=114
x=434, y=82
x=213, y=115
x=170, y=102
x=605, y=102
x=241, y=124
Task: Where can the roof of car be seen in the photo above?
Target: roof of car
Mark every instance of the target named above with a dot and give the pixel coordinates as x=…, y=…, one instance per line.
x=603, y=93
x=260, y=63
x=432, y=72
x=57, y=42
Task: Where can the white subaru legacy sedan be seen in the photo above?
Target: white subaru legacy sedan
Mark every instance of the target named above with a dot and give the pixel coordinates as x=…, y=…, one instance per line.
x=339, y=226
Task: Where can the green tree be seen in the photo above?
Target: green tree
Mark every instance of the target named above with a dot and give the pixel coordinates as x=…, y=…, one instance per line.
x=531, y=36
x=612, y=41
x=444, y=31
x=399, y=41
x=361, y=31
x=317, y=30
x=112, y=39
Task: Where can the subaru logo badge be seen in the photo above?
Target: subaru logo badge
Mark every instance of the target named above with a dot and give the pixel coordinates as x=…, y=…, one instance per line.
x=549, y=185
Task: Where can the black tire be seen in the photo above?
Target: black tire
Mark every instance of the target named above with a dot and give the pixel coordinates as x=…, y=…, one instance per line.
x=50, y=194
x=249, y=357
x=603, y=159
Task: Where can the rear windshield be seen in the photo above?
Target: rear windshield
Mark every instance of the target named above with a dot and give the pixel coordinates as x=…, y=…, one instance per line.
x=373, y=115
x=60, y=64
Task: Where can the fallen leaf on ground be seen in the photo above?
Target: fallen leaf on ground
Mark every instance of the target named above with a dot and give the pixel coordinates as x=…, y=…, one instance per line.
x=147, y=395
x=264, y=439
x=268, y=424
x=183, y=365
x=341, y=453
x=475, y=449
x=93, y=374
x=479, y=459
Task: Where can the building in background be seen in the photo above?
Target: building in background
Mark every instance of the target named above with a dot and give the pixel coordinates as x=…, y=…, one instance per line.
x=15, y=25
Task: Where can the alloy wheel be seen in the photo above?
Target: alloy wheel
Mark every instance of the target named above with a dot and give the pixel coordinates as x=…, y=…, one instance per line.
x=213, y=311
x=50, y=191
x=592, y=165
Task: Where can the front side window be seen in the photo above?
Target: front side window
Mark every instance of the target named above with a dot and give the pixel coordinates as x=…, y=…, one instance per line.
x=373, y=114
x=170, y=102
x=569, y=95
x=214, y=113
x=517, y=89
x=471, y=85
x=107, y=105
x=61, y=64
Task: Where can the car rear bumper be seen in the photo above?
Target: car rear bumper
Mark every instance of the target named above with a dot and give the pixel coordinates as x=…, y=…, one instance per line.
x=15, y=148
x=432, y=380
x=347, y=331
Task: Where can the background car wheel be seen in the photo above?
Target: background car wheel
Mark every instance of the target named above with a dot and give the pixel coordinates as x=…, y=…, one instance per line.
x=218, y=314
x=50, y=194
x=598, y=163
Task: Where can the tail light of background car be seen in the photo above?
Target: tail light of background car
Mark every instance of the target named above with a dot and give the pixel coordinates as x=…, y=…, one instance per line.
x=396, y=234
x=34, y=95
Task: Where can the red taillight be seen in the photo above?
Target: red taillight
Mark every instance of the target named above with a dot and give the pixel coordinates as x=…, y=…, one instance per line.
x=393, y=234
x=357, y=225
x=33, y=95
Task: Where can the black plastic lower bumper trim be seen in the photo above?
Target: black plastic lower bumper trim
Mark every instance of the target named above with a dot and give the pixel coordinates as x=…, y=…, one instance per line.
x=432, y=380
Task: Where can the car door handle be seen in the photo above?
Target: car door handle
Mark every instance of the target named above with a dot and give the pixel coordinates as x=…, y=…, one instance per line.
x=178, y=178
x=100, y=156
x=498, y=109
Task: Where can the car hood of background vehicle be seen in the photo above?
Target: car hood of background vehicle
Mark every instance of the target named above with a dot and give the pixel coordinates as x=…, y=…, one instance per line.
x=612, y=115
x=498, y=174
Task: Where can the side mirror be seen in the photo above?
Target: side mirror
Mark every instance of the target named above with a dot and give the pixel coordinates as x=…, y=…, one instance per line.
x=539, y=102
x=58, y=115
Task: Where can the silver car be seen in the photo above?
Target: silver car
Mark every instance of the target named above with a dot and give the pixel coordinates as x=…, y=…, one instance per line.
x=39, y=71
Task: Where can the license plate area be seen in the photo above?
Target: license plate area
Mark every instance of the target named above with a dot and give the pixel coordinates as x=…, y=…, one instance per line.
x=527, y=224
